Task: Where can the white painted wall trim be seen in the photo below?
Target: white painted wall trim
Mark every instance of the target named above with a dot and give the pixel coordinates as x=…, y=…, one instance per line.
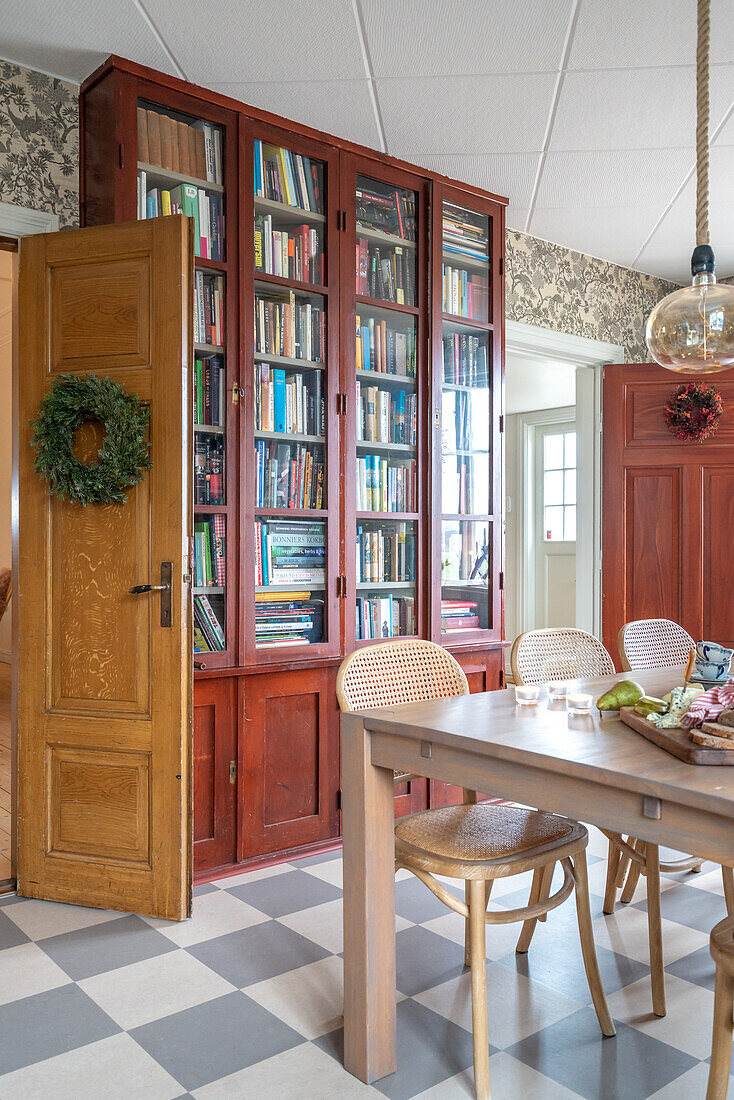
x=533, y=342
x=18, y=221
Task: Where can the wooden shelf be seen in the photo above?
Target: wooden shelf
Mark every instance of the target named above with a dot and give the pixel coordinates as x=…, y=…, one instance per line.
x=293, y=215
x=290, y=284
x=464, y=389
x=293, y=513
x=379, y=237
x=363, y=586
x=454, y=260
x=379, y=378
x=398, y=448
x=208, y=589
x=210, y=429
x=212, y=509
x=210, y=265
x=284, y=361
x=465, y=324
x=445, y=452
x=267, y=284
x=164, y=177
x=289, y=437
x=292, y=586
x=386, y=306
x=210, y=349
x=383, y=516
x=474, y=517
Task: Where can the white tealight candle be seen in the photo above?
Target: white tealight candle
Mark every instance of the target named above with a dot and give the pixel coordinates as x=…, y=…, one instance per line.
x=526, y=695
x=557, y=691
x=579, y=702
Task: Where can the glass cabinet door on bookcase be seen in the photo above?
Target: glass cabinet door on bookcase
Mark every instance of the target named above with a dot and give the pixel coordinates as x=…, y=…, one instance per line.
x=184, y=167
x=467, y=396
x=384, y=384
x=293, y=481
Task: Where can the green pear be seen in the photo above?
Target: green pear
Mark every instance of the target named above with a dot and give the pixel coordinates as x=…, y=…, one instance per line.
x=625, y=693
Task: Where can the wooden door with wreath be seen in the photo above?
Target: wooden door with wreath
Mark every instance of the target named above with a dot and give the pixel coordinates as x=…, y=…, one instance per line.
x=103, y=650
x=667, y=507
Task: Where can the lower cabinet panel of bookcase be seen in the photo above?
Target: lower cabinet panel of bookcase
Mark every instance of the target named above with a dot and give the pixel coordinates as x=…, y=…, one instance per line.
x=289, y=755
x=482, y=670
x=215, y=788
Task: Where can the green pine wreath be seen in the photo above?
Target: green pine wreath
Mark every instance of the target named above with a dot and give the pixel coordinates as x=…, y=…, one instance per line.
x=124, y=455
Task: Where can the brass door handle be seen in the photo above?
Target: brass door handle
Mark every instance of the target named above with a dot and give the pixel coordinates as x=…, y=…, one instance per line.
x=138, y=588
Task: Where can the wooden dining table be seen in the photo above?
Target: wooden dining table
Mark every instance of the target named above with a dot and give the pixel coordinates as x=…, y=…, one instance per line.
x=594, y=769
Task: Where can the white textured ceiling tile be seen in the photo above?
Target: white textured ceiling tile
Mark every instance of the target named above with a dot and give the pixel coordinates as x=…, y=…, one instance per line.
x=726, y=136
x=436, y=38
x=509, y=174
x=619, y=34
x=515, y=218
x=339, y=107
x=234, y=40
x=607, y=232
x=467, y=115
x=628, y=177
x=62, y=38
x=635, y=109
x=675, y=266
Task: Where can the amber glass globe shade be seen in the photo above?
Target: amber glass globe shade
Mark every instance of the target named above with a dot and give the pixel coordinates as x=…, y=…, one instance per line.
x=692, y=330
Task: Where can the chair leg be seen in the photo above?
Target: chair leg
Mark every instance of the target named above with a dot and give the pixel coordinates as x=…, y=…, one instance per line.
x=610, y=894
x=727, y=874
x=633, y=875
x=545, y=888
x=722, y=1036
x=588, y=950
x=467, y=934
x=624, y=862
x=477, y=928
x=539, y=891
x=654, y=929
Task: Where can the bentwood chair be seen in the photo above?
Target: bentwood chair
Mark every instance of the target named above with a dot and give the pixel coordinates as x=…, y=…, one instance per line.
x=651, y=643
x=722, y=951
x=558, y=653
x=475, y=842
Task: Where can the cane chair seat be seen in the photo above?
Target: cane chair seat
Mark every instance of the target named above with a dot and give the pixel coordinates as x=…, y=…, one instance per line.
x=653, y=643
x=482, y=835
x=558, y=653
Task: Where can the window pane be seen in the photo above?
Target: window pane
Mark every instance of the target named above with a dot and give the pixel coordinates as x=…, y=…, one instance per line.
x=554, y=487
x=386, y=570
x=554, y=524
x=466, y=567
x=290, y=571
x=569, y=487
x=553, y=452
x=465, y=262
x=386, y=241
x=570, y=456
x=570, y=523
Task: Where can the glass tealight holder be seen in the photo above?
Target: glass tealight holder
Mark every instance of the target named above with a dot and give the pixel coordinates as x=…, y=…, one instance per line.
x=579, y=702
x=557, y=691
x=527, y=695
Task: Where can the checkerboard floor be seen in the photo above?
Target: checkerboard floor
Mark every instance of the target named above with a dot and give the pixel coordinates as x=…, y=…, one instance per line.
x=244, y=1000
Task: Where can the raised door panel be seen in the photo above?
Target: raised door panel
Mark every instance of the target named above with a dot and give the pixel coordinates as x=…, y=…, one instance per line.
x=718, y=543
x=215, y=783
x=644, y=402
x=653, y=533
x=289, y=755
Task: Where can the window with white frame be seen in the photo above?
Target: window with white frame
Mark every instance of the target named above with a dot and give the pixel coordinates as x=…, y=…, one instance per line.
x=559, y=486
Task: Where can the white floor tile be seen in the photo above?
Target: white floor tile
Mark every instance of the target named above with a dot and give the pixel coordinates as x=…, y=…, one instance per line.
x=330, y=872
x=501, y=938
x=626, y=933
x=39, y=919
x=302, y=1073
x=516, y=1007
x=508, y=1080
x=215, y=914
x=26, y=970
x=324, y=924
x=687, y=1025
x=115, y=1068
x=149, y=990
x=690, y=1086
x=309, y=999
x=706, y=880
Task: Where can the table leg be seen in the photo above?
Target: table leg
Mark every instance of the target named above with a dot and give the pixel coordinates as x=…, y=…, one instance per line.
x=369, y=907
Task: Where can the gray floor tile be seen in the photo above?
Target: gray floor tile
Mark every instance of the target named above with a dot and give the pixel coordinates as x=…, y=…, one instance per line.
x=210, y=1041
x=630, y=1066
x=10, y=934
x=47, y=1024
x=106, y=946
x=205, y=888
x=416, y=903
x=286, y=893
x=425, y=959
x=430, y=1049
x=11, y=899
x=325, y=857
x=697, y=967
x=254, y=954
x=558, y=963
x=684, y=904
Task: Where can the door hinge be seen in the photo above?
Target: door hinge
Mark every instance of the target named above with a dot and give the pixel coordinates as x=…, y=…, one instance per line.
x=121, y=154
x=341, y=586
x=233, y=771
x=341, y=404
x=237, y=393
x=502, y=580
x=502, y=422
x=339, y=799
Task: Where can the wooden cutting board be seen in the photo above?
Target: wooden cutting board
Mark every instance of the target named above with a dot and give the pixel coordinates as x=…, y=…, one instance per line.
x=676, y=742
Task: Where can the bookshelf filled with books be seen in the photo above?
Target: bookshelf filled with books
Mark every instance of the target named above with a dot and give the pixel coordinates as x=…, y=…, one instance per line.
x=346, y=375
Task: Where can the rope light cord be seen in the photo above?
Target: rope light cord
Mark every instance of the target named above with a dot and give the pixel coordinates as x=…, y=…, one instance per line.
x=702, y=121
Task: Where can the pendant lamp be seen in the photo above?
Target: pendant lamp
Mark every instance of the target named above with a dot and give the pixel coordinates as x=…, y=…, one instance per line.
x=691, y=331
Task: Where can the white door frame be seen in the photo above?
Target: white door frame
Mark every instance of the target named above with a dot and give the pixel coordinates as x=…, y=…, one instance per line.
x=533, y=342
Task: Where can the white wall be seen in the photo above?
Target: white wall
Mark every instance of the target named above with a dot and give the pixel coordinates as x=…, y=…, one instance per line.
x=537, y=384
x=6, y=432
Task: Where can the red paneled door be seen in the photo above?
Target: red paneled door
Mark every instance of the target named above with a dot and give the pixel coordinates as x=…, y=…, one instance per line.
x=667, y=509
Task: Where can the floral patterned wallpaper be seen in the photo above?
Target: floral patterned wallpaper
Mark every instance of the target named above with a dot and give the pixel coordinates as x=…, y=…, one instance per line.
x=547, y=285
x=39, y=142
x=556, y=288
